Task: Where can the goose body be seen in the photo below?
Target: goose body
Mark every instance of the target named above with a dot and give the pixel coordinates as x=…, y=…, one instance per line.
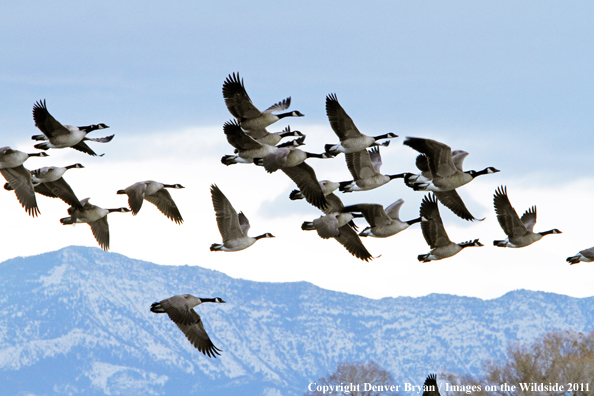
x=57, y=135
x=232, y=226
x=435, y=234
x=248, y=149
x=155, y=193
x=19, y=178
x=272, y=138
x=337, y=223
x=95, y=217
x=241, y=107
x=382, y=222
x=365, y=167
x=450, y=199
x=445, y=174
x=180, y=310
x=351, y=140
x=284, y=157
x=586, y=255
x=519, y=231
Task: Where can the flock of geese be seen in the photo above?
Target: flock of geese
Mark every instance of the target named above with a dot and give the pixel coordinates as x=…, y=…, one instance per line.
x=440, y=173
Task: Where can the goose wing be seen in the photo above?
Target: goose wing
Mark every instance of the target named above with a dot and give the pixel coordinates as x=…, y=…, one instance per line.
x=305, y=177
x=453, y=201
x=350, y=240
x=430, y=386
x=374, y=213
x=276, y=160
x=588, y=253
x=62, y=190
x=529, y=218
x=197, y=336
x=237, y=100
x=439, y=156
x=19, y=179
x=393, y=211
x=163, y=201
x=82, y=146
x=227, y=217
x=238, y=138
x=280, y=106
x=341, y=123
x=433, y=229
x=334, y=204
x=506, y=215
x=360, y=165
x=326, y=226
x=258, y=133
x=46, y=123
x=135, y=196
x=458, y=157
x=100, y=230
x=376, y=158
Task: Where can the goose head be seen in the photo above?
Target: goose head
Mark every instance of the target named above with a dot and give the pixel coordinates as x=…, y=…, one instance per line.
x=74, y=166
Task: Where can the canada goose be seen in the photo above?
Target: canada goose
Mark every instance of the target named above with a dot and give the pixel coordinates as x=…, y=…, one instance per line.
x=241, y=107
x=248, y=149
x=586, y=255
x=519, y=231
x=446, y=176
x=180, y=310
x=435, y=234
x=95, y=217
x=284, y=157
x=48, y=181
x=62, y=136
x=337, y=223
x=351, y=140
x=327, y=187
x=382, y=222
x=232, y=226
x=19, y=178
x=430, y=387
x=450, y=199
x=272, y=138
x=309, y=188
x=365, y=167
x=155, y=193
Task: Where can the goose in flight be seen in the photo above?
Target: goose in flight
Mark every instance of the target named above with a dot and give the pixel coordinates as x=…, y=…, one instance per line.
x=232, y=226
x=313, y=191
x=446, y=175
x=351, y=140
x=48, y=181
x=56, y=135
x=180, y=310
x=450, y=199
x=95, y=217
x=241, y=107
x=435, y=233
x=586, y=255
x=382, y=222
x=337, y=223
x=519, y=231
x=365, y=167
x=272, y=138
x=155, y=193
x=19, y=178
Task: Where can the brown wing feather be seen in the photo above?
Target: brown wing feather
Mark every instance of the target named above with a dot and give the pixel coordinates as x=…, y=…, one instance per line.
x=305, y=177
x=100, y=230
x=506, y=215
x=341, y=123
x=46, y=122
x=198, y=337
x=433, y=229
x=163, y=201
x=19, y=179
x=237, y=100
x=351, y=241
x=227, y=218
x=82, y=146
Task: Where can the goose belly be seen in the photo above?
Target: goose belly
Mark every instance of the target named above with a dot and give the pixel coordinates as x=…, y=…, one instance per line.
x=48, y=174
x=67, y=140
x=445, y=251
x=353, y=145
x=12, y=160
x=262, y=121
x=238, y=244
x=388, y=230
x=449, y=183
x=524, y=240
x=371, y=182
x=261, y=152
x=90, y=215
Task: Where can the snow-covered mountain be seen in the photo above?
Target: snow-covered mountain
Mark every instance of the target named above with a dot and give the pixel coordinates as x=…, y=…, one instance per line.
x=77, y=322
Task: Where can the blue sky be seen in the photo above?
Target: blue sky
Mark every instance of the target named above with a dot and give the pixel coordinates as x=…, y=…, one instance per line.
x=510, y=82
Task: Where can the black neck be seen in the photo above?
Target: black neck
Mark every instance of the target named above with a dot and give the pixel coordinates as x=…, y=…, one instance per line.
x=417, y=220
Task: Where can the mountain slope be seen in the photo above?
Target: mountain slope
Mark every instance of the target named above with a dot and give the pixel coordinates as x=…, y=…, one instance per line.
x=77, y=321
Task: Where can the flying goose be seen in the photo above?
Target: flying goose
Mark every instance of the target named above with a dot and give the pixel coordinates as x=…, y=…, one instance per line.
x=518, y=230
x=180, y=310
x=430, y=387
x=327, y=187
x=586, y=255
x=48, y=181
x=272, y=138
x=337, y=223
x=57, y=135
x=450, y=199
x=351, y=140
x=19, y=178
x=435, y=234
x=284, y=157
x=247, y=148
x=155, y=193
x=446, y=176
x=232, y=226
x=241, y=107
x=365, y=167
x=382, y=222
x=313, y=191
x=95, y=217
